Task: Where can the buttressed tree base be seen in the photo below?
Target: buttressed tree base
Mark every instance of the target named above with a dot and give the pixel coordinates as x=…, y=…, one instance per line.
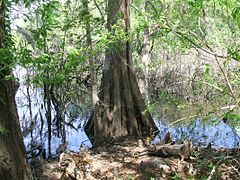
x=121, y=109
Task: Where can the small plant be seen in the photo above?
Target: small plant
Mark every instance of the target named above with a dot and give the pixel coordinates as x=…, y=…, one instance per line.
x=176, y=176
x=130, y=177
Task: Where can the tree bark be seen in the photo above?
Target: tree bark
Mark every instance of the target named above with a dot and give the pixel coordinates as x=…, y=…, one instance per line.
x=13, y=163
x=89, y=45
x=145, y=60
x=121, y=110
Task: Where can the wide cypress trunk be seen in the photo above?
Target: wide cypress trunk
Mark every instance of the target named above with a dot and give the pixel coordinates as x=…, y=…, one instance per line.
x=13, y=163
x=120, y=110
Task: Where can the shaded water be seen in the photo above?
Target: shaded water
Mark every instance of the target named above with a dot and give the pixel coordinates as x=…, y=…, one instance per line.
x=31, y=122
x=201, y=134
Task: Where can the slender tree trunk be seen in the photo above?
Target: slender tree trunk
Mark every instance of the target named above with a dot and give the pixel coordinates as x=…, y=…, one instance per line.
x=32, y=122
x=47, y=99
x=145, y=55
x=48, y=114
x=91, y=60
x=145, y=60
x=13, y=163
x=121, y=110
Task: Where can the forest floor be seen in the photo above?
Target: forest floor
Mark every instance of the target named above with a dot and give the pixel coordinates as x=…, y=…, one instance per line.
x=127, y=160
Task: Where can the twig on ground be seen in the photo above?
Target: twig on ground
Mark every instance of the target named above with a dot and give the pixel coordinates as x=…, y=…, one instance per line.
x=212, y=173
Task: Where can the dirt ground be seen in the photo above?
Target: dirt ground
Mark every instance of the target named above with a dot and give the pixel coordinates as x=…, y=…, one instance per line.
x=127, y=159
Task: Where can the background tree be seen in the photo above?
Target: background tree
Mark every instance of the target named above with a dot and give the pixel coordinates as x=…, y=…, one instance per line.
x=120, y=110
x=13, y=164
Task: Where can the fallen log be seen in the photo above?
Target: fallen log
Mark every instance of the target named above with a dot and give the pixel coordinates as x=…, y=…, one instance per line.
x=183, y=151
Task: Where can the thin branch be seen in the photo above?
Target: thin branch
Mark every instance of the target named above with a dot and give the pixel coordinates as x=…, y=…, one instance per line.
x=231, y=107
x=236, y=170
x=149, y=2
x=140, y=12
x=99, y=9
x=182, y=119
x=212, y=173
x=226, y=78
x=212, y=85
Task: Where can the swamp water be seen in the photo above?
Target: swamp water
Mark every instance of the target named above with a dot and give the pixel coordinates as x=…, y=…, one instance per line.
x=201, y=134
